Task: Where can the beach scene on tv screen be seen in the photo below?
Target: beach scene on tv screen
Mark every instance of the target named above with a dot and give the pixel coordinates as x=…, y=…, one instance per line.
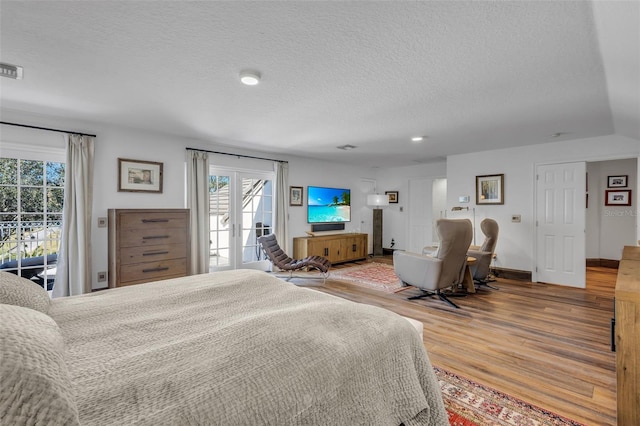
x=328, y=205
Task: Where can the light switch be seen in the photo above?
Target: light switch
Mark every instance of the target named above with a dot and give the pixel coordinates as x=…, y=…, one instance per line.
x=516, y=218
x=102, y=222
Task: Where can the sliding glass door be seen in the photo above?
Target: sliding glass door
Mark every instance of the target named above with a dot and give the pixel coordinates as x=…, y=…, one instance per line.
x=241, y=210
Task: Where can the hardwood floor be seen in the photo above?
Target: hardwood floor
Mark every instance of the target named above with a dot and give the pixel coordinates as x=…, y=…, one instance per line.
x=546, y=344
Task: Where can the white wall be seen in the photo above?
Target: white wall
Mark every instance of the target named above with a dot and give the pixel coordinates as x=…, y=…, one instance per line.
x=117, y=142
x=305, y=172
x=515, y=247
x=609, y=228
x=395, y=217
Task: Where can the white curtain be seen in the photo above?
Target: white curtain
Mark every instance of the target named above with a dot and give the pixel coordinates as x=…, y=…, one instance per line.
x=73, y=274
x=198, y=203
x=282, y=209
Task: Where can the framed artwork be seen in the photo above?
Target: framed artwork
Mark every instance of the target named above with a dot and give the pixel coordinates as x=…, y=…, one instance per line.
x=490, y=189
x=139, y=176
x=295, y=195
x=617, y=181
x=620, y=197
x=393, y=196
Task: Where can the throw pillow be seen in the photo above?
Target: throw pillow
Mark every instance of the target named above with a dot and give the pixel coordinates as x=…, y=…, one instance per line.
x=35, y=388
x=15, y=290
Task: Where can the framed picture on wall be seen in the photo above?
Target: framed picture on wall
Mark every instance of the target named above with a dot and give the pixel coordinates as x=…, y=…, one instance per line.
x=393, y=196
x=620, y=197
x=295, y=195
x=490, y=189
x=139, y=176
x=617, y=181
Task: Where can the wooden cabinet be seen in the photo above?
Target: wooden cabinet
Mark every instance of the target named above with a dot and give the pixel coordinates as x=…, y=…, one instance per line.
x=147, y=245
x=337, y=247
x=627, y=336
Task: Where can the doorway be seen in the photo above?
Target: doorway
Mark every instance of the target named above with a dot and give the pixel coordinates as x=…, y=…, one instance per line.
x=428, y=199
x=560, y=223
x=241, y=209
x=607, y=228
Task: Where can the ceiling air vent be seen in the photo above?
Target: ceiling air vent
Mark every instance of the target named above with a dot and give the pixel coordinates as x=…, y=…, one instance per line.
x=346, y=147
x=10, y=71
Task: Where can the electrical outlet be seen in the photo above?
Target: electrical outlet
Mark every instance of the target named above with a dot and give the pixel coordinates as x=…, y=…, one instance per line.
x=102, y=222
x=102, y=276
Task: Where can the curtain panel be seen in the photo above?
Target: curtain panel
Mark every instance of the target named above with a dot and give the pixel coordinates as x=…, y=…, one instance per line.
x=198, y=203
x=282, y=209
x=73, y=275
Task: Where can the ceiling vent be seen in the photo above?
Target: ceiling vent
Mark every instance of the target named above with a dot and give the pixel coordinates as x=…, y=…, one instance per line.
x=346, y=147
x=10, y=71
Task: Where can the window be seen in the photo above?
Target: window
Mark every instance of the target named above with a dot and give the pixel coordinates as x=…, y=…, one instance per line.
x=31, y=198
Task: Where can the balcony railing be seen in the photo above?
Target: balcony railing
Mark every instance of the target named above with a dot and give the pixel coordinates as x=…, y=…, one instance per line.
x=30, y=249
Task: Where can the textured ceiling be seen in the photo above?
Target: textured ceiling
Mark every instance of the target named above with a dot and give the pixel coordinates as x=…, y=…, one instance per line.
x=471, y=75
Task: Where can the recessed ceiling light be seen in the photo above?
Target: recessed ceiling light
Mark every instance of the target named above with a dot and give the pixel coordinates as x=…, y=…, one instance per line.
x=250, y=78
x=418, y=138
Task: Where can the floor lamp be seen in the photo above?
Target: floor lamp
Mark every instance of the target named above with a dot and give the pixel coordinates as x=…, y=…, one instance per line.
x=376, y=201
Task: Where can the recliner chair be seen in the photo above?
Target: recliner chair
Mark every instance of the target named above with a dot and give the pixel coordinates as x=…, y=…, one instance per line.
x=279, y=258
x=482, y=267
x=445, y=268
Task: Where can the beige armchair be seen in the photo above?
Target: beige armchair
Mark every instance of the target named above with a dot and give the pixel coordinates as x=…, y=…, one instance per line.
x=484, y=254
x=445, y=268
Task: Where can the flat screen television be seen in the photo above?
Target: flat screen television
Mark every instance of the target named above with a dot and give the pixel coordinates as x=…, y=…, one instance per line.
x=326, y=205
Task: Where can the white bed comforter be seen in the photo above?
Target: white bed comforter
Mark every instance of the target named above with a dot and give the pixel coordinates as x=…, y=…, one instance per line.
x=242, y=348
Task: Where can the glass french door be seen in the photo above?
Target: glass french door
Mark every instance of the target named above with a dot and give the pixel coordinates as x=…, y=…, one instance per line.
x=240, y=211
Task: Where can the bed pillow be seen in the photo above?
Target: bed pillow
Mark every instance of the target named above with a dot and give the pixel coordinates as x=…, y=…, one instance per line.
x=15, y=290
x=35, y=388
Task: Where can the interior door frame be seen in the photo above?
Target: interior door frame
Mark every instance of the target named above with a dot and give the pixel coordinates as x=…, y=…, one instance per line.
x=623, y=156
x=581, y=211
x=429, y=215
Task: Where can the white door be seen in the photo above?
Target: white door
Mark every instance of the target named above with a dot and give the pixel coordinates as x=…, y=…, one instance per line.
x=241, y=209
x=420, y=214
x=560, y=220
x=427, y=201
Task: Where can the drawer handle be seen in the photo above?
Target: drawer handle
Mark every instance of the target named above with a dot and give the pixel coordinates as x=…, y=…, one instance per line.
x=613, y=334
x=153, y=253
x=154, y=237
x=154, y=220
x=165, y=268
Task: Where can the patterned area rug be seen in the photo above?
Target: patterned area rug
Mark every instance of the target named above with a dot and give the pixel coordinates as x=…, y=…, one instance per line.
x=471, y=404
x=377, y=276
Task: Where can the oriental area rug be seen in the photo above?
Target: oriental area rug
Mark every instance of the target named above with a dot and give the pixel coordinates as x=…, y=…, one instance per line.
x=374, y=275
x=471, y=404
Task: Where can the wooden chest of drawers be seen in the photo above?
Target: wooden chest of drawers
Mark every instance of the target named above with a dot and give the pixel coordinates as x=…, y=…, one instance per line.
x=147, y=245
x=627, y=336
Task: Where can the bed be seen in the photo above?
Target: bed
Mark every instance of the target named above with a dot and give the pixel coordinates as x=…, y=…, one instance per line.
x=229, y=348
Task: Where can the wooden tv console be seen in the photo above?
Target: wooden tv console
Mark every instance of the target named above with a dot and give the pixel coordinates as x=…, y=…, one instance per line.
x=338, y=248
x=627, y=336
